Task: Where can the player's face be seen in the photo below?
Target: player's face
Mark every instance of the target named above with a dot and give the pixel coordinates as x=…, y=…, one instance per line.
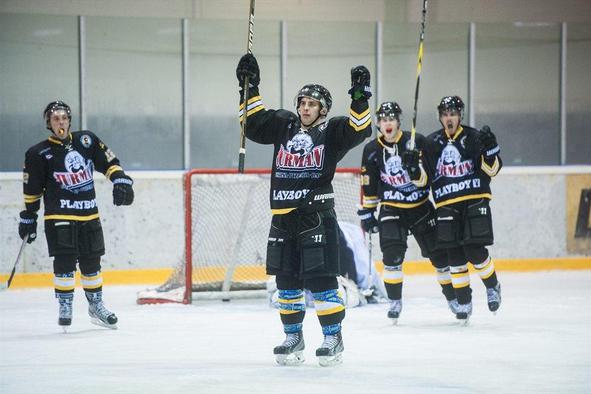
x=309, y=111
x=389, y=127
x=450, y=120
x=60, y=123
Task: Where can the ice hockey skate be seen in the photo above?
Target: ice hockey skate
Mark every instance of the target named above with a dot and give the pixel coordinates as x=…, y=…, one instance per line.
x=493, y=296
x=464, y=313
x=291, y=351
x=98, y=313
x=65, y=311
x=331, y=351
x=453, y=306
x=394, y=311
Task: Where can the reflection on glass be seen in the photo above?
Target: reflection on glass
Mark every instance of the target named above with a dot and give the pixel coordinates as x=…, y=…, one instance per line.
x=444, y=71
x=134, y=95
x=38, y=64
x=517, y=89
x=578, y=96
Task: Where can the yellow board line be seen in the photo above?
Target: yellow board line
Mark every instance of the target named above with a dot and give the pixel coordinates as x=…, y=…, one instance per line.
x=159, y=276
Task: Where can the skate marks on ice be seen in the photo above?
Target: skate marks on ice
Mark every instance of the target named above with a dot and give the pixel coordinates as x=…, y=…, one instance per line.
x=538, y=342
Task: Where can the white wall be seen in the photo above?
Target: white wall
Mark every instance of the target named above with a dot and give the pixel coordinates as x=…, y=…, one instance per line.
x=529, y=214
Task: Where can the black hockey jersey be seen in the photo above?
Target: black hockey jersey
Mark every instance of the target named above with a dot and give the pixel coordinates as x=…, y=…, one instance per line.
x=62, y=173
x=457, y=169
x=304, y=161
x=383, y=179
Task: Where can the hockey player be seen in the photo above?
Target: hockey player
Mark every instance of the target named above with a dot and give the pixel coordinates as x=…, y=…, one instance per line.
x=302, y=249
x=387, y=166
x=60, y=170
x=462, y=161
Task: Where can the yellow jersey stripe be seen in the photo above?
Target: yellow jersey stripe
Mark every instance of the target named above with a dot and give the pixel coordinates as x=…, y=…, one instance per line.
x=111, y=170
x=406, y=205
x=72, y=217
x=282, y=211
x=463, y=198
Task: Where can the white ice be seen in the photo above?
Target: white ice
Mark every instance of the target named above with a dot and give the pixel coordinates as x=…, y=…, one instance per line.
x=539, y=342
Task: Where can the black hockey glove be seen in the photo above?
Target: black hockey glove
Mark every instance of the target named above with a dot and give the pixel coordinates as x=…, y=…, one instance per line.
x=248, y=67
x=490, y=147
x=123, y=191
x=28, y=225
x=410, y=162
x=368, y=220
x=360, y=79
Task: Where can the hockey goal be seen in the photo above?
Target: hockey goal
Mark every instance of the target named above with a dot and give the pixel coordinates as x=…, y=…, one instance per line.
x=227, y=218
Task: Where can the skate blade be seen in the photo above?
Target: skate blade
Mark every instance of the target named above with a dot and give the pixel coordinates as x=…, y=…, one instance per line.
x=65, y=329
x=394, y=321
x=329, y=361
x=292, y=359
x=464, y=322
x=101, y=323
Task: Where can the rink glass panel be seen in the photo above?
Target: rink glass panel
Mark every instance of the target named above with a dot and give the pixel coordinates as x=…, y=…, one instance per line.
x=215, y=48
x=38, y=64
x=134, y=98
x=517, y=89
x=578, y=97
x=444, y=71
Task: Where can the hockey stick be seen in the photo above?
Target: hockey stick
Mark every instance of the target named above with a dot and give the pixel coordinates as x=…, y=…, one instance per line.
x=4, y=286
x=419, y=68
x=369, y=291
x=242, y=151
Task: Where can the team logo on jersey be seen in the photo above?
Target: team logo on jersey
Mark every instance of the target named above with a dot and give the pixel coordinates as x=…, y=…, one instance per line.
x=450, y=164
x=300, y=154
x=394, y=174
x=78, y=174
x=86, y=141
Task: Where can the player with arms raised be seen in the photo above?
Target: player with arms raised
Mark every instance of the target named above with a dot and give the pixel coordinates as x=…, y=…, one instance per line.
x=302, y=249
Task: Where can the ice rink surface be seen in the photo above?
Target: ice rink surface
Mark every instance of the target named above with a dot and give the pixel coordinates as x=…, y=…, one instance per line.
x=539, y=342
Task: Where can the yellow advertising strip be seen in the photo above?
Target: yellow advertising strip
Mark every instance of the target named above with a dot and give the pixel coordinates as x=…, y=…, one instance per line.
x=159, y=276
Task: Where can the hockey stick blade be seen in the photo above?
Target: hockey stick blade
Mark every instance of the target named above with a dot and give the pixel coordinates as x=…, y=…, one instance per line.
x=4, y=286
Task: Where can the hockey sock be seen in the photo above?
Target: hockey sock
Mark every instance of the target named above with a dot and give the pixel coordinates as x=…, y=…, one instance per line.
x=460, y=280
x=64, y=283
x=330, y=310
x=292, y=309
x=444, y=279
x=92, y=282
x=393, y=281
x=486, y=271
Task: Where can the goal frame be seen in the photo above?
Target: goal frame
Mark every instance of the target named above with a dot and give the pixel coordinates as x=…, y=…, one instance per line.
x=188, y=193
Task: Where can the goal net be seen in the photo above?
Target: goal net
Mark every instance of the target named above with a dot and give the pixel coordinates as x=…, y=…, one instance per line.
x=227, y=218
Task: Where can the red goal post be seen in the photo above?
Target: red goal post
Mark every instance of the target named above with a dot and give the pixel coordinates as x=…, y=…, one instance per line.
x=227, y=218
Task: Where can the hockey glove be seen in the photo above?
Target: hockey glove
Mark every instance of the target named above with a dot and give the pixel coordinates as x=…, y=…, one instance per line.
x=368, y=220
x=360, y=79
x=122, y=191
x=28, y=225
x=489, y=142
x=248, y=67
x=410, y=162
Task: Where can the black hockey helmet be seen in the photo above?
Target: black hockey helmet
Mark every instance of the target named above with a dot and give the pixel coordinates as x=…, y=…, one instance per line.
x=389, y=108
x=316, y=92
x=451, y=103
x=55, y=106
